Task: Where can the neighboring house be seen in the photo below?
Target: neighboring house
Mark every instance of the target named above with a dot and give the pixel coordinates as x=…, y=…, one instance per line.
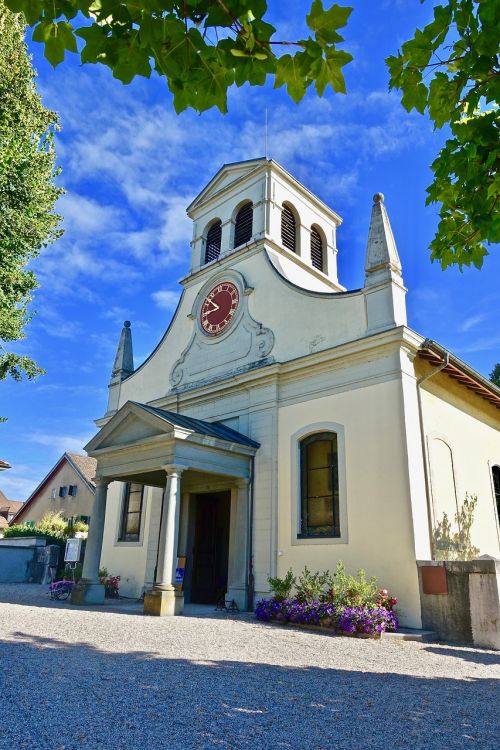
x=68, y=487
x=8, y=509
x=283, y=421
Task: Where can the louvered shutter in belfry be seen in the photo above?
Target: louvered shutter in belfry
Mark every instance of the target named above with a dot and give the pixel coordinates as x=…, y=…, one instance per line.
x=243, y=225
x=212, y=247
x=288, y=228
x=316, y=250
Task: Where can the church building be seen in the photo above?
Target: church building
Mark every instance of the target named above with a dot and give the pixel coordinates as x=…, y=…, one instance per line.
x=283, y=420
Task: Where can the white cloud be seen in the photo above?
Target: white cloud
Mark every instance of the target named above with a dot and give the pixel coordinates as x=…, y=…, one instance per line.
x=472, y=322
x=61, y=443
x=165, y=299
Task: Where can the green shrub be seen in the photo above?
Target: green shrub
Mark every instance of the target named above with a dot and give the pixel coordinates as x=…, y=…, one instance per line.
x=346, y=590
x=310, y=586
x=52, y=523
x=282, y=587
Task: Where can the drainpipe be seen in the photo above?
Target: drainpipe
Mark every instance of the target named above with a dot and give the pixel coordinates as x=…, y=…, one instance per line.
x=250, y=586
x=425, y=456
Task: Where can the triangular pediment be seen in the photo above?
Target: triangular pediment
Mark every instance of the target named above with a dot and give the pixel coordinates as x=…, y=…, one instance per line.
x=224, y=178
x=129, y=425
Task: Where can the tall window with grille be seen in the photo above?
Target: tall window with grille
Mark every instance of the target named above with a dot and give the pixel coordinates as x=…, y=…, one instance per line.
x=243, y=225
x=317, y=253
x=288, y=229
x=319, y=495
x=130, y=527
x=212, y=243
x=495, y=473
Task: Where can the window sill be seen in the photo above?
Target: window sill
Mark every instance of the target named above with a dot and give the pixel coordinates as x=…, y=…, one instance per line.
x=125, y=543
x=318, y=540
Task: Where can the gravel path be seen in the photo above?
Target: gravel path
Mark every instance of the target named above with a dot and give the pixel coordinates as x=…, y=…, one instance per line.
x=72, y=678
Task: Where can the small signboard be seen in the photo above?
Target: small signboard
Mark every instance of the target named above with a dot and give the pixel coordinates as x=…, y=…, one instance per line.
x=179, y=572
x=72, y=551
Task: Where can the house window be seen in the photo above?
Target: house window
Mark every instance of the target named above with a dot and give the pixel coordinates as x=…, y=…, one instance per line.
x=131, y=514
x=495, y=473
x=72, y=490
x=84, y=519
x=212, y=243
x=317, y=258
x=243, y=225
x=62, y=491
x=288, y=229
x=319, y=477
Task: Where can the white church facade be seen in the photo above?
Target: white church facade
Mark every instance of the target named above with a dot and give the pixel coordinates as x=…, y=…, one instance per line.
x=282, y=420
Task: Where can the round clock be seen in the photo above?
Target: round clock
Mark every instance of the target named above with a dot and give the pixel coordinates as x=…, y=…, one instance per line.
x=218, y=308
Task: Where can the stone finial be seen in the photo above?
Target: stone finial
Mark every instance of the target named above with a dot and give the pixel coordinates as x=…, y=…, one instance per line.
x=124, y=360
x=382, y=259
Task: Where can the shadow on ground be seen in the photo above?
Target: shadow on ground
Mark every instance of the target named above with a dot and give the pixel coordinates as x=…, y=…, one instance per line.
x=71, y=696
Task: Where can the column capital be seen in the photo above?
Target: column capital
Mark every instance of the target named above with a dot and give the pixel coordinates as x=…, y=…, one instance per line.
x=242, y=483
x=101, y=481
x=174, y=469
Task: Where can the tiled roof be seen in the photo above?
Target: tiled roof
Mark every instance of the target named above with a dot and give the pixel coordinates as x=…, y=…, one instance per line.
x=11, y=506
x=86, y=466
x=213, y=429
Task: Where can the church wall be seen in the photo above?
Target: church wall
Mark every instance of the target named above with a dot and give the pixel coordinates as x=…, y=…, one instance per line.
x=378, y=535
x=127, y=559
x=464, y=428
x=302, y=322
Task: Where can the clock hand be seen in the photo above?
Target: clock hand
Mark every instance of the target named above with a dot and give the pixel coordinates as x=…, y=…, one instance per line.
x=215, y=307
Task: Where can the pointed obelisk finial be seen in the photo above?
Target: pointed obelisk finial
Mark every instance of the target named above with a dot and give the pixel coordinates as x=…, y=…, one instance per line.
x=124, y=360
x=382, y=259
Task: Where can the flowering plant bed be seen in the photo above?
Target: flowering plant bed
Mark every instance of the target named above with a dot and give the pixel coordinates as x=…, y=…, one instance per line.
x=354, y=621
x=338, y=602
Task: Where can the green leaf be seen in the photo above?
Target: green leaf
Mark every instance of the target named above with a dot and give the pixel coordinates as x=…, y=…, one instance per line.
x=292, y=71
x=329, y=72
x=133, y=61
x=325, y=22
x=57, y=37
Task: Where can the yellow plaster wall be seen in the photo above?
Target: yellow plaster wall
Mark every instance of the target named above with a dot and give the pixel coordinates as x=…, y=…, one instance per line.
x=380, y=534
x=470, y=427
x=79, y=505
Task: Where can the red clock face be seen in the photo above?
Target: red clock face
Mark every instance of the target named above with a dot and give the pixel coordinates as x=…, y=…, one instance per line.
x=219, y=307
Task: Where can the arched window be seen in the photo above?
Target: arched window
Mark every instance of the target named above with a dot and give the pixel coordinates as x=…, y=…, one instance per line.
x=288, y=229
x=319, y=491
x=243, y=225
x=495, y=473
x=317, y=256
x=212, y=243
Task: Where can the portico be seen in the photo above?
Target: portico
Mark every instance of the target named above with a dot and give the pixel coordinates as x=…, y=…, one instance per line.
x=183, y=456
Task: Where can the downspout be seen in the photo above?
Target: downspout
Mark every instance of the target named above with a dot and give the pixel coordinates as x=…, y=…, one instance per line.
x=425, y=456
x=250, y=588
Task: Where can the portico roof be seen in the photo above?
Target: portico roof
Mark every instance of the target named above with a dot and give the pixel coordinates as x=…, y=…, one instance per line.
x=215, y=429
x=140, y=440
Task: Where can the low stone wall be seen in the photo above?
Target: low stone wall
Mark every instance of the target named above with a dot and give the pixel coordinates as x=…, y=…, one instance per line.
x=460, y=600
x=15, y=563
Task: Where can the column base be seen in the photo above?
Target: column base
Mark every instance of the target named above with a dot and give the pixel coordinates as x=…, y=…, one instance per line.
x=87, y=592
x=161, y=603
x=240, y=596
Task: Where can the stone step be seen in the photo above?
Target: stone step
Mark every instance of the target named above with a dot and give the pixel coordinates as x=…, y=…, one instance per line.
x=412, y=634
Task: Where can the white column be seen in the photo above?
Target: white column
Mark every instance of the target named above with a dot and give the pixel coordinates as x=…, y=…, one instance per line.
x=169, y=530
x=96, y=532
x=238, y=544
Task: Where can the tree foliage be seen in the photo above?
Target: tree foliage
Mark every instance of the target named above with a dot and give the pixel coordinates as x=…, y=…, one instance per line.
x=27, y=190
x=449, y=69
x=495, y=375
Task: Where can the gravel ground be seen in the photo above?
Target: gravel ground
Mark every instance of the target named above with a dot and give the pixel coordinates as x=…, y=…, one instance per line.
x=73, y=678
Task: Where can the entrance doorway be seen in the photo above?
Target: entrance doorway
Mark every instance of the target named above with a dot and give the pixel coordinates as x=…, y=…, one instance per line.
x=211, y=546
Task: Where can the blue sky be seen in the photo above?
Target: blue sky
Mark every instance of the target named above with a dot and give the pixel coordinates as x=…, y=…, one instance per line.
x=130, y=166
